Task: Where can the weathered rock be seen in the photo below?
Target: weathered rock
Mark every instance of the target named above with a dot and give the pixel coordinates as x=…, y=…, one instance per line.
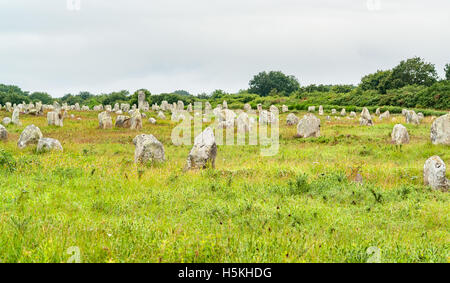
x=292, y=119
x=180, y=105
x=30, y=135
x=273, y=109
x=400, y=135
x=6, y=121
x=412, y=118
x=3, y=133
x=320, y=110
x=434, y=174
x=148, y=149
x=225, y=104
x=161, y=115
x=343, y=112
x=378, y=112
x=284, y=108
x=203, y=152
x=152, y=121
x=352, y=114
x=247, y=107
x=266, y=117
x=141, y=100
x=136, y=120
x=385, y=115
x=55, y=119
x=259, y=107
x=104, y=120
x=123, y=121
x=309, y=126
x=311, y=108
x=15, y=117
x=440, y=130
x=333, y=111
x=366, y=119
x=243, y=123
x=48, y=144
x=404, y=111
x=421, y=116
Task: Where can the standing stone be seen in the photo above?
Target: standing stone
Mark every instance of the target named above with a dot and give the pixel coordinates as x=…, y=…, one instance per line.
x=123, y=122
x=3, y=133
x=400, y=135
x=440, y=130
x=366, y=119
x=385, y=115
x=148, y=149
x=55, y=119
x=180, y=105
x=48, y=144
x=6, y=121
x=8, y=106
x=15, y=117
x=30, y=135
x=311, y=108
x=412, y=118
x=273, y=109
x=434, y=174
x=333, y=111
x=161, y=115
x=378, y=112
x=320, y=110
x=243, y=123
x=292, y=119
x=352, y=114
x=284, y=109
x=259, y=107
x=152, y=121
x=136, y=120
x=309, y=126
x=203, y=152
x=225, y=104
x=421, y=116
x=343, y=113
x=104, y=120
x=404, y=111
x=141, y=100
x=266, y=117
x=247, y=107
x=189, y=108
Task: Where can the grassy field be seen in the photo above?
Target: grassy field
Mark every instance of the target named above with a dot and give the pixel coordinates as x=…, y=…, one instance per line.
x=301, y=205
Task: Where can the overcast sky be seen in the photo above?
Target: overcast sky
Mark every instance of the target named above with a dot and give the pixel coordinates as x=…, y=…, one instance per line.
x=203, y=45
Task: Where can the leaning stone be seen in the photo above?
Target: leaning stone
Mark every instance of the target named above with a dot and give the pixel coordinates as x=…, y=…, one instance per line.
x=148, y=148
x=366, y=119
x=434, y=174
x=30, y=135
x=123, y=121
x=136, y=120
x=15, y=117
x=48, y=144
x=412, y=118
x=385, y=115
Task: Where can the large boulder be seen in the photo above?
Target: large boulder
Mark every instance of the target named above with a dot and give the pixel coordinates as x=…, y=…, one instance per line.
x=148, y=149
x=440, y=130
x=30, y=135
x=400, y=134
x=203, y=152
x=309, y=126
x=291, y=119
x=434, y=174
x=3, y=133
x=104, y=120
x=366, y=119
x=48, y=144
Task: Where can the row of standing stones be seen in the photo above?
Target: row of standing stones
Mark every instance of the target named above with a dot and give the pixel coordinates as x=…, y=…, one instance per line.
x=204, y=151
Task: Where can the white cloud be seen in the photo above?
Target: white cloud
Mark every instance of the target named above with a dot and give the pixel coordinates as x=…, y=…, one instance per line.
x=202, y=45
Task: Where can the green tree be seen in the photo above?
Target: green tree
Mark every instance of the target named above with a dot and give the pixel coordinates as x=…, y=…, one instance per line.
x=263, y=83
x=43, y=97
x=379, y=81
x=447, y=72
x=414, y=71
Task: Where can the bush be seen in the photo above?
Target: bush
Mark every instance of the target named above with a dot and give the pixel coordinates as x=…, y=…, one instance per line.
x=7, y=161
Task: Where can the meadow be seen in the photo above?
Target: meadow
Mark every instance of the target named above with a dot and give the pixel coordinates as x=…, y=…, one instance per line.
x=301, y=205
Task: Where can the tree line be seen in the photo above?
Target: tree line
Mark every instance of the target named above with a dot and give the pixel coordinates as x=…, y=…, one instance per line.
x=412, y=83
